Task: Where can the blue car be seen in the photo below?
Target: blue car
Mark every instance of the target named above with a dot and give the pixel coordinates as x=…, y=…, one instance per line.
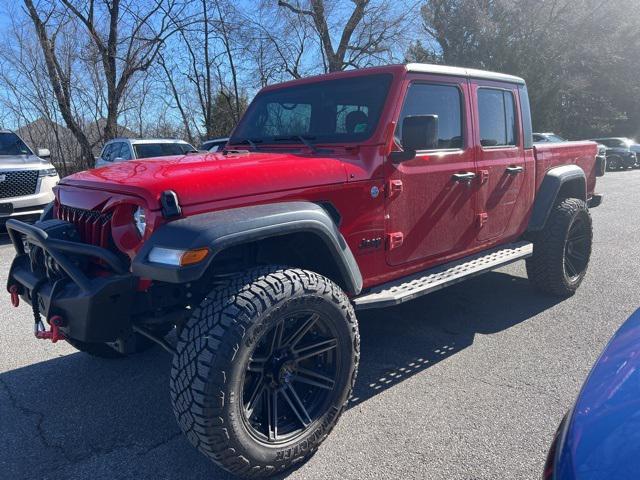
x=600, y=437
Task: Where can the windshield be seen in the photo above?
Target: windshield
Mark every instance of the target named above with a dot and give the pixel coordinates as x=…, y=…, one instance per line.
x=11, y=144
x=555, y=138
x=148, y=150
x=331, y=111
x=612, y=142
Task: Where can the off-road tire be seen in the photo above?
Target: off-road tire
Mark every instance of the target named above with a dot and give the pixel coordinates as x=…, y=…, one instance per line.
x=102, y=350
x=215, y=348
x=547, y=269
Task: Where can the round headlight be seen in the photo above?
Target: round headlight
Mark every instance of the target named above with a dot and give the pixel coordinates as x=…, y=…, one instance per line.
x=140, y=220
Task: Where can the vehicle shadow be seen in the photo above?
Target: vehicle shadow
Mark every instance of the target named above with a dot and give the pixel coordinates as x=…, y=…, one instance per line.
x=77, y=417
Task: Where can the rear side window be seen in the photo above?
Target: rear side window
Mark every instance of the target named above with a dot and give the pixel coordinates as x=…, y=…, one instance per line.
x=497, y=111
x=445, y=101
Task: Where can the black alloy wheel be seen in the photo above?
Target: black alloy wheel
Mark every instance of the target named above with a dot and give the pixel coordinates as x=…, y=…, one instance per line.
x=577, y=249
x=289, y=378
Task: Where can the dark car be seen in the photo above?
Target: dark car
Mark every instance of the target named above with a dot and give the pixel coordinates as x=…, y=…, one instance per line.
x=600, y=437
x=620, y=156
x=214, y=144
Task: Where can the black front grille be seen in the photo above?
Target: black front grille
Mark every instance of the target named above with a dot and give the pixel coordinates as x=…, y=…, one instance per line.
x=18, y=184
x=94, y=227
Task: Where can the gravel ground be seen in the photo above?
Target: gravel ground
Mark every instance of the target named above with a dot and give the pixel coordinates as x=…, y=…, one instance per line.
x=469, y=382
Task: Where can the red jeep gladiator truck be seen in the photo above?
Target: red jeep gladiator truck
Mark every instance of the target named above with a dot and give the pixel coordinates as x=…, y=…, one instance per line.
x=353, y=190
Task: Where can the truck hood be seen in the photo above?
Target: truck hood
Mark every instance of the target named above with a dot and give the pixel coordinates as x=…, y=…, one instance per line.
x=22, y=162
x=200, y=178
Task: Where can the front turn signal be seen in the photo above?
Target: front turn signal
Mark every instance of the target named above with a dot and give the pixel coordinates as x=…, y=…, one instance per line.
x=194, y=256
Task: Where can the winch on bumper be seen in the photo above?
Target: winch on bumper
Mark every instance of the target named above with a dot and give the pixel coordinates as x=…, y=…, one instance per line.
x=47, y=273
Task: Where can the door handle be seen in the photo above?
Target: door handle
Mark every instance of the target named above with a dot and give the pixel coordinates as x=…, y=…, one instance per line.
x=463, y=177
x=514, y=170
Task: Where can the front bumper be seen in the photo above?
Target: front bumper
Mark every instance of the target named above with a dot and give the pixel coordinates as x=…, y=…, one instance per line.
x=93, y=308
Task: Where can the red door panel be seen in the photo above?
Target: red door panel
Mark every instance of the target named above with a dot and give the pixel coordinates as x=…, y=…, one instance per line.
x=500, y=159
x=434, y=213
x=430, y=214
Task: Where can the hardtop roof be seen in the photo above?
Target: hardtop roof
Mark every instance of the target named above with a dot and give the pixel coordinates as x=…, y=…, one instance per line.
x=403, y=68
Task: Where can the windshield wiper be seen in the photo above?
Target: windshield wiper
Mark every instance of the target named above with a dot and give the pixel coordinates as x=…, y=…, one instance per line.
x=251, y=143
x=304, y=139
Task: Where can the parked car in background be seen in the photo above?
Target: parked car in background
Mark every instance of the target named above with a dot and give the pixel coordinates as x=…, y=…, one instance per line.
x=26, y=179
x=123, y=149
x=600, y=437
x=635, y=147
x=619, y=153
x=214, y=144
x=548, y=137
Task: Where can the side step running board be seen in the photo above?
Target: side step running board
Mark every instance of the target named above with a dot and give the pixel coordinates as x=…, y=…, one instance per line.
x=427, y=281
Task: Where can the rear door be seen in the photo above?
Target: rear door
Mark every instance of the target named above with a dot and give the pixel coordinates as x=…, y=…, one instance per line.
x=500, y=159
x=430, y=212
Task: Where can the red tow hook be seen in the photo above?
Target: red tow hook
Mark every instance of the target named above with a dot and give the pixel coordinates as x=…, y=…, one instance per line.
x=54, y=334
x=15, y=297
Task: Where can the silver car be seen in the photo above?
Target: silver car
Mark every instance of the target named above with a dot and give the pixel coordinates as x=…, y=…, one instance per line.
x=123, y=149
x=26, y=179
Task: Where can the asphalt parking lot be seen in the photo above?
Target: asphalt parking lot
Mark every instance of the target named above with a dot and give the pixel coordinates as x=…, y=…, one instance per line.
x=469, y=382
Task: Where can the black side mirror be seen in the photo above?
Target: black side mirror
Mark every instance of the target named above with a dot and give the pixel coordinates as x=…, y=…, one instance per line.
x=419, y=132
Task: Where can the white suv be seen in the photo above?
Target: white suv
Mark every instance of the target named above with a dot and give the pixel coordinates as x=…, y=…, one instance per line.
x=122, y=149
x=26, y=180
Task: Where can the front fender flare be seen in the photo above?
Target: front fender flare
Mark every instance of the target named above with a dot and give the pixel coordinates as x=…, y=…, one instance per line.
x=554, y=181
x=222, y=229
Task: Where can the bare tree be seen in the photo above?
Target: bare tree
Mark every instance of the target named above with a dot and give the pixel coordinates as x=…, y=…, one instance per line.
x=367, y=35
x=131, y=45
x=60, y=78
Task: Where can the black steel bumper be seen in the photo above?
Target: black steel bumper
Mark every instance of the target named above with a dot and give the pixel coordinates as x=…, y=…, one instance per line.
x=595, y=200
x=93, y=309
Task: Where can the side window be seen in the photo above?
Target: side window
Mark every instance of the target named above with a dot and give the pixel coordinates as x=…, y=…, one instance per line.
x=497, y=118
x=445, y=101
x=125, y=151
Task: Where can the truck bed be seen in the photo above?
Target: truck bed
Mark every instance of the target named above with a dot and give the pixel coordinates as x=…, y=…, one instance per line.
x=582, y=153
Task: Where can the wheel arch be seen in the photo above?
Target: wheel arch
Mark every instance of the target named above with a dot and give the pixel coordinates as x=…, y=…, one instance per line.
x=567, y=181
x=296, y=234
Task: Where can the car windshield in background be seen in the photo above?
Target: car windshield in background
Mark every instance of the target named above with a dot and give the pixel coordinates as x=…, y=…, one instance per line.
x=613, y=142
x=336, y=111
x=10, y=144
x=556, y=138
x=149, y=150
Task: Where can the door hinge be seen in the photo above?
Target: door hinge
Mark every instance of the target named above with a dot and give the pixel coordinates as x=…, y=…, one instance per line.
x=394, y=240
x=394, y=188
x=482, y=219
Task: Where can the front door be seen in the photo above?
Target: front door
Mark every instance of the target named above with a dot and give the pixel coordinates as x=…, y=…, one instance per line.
x=500, y=158
x=430, y=199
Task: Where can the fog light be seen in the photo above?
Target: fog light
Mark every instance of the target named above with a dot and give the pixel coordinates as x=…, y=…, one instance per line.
x=177, y=258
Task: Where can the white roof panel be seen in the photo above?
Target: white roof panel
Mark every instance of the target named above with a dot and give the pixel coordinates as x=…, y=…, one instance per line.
x=462, y=72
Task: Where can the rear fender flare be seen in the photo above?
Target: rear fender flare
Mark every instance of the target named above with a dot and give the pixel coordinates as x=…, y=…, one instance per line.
x=555, y=181
x=223, y=229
